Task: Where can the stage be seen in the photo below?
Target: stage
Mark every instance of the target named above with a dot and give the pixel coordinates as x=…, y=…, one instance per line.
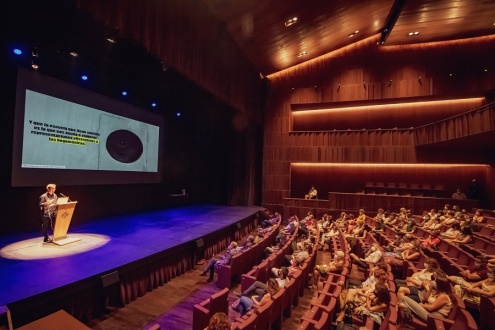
x=36, y=274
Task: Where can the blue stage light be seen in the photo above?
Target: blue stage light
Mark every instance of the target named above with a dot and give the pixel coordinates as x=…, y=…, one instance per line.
x=84, y=77
x=124, y=93
x=153, y=104
x=17, y=51
x=178, y=114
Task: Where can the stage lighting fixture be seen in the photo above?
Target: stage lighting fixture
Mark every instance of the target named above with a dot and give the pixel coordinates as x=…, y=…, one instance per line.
x=124, y=93
x=84, y=77
x=153, y=104
x=35, y=59
x=17, y=51
x=178, y=114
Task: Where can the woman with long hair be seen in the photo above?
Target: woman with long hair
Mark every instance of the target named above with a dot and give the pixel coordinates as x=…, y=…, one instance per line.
x=219, y=321
x=437, y=303
x=245, y=303
x=412, y=285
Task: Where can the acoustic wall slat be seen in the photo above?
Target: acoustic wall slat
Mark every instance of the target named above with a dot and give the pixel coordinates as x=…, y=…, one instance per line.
x=350, y=68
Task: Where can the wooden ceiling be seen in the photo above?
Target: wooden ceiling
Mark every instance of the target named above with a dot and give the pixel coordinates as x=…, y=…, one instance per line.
x=324, y=26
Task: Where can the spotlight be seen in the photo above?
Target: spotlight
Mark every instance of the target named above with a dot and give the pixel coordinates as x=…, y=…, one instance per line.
x=153, y=104
x=84, y=77
x=17, y=51
x=178, y=114
x=35, y=59
x=124, y=93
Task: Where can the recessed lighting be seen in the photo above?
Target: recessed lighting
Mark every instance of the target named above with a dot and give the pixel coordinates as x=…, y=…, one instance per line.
x=84, y=77
x=353, y=34
x=153, y=104
x=301, y=54
x=17, y=51
x=111, y=40
x=415, y=33
x=291, y=21
x=124, y=93
x=74, y=54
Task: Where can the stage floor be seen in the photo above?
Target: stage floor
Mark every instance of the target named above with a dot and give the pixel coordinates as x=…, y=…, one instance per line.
x=29, y=267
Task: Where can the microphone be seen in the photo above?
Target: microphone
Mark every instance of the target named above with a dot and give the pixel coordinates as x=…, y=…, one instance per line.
x=68, y=199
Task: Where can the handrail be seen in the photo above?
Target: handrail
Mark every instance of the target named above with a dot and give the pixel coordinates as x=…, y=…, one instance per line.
x=489, y=106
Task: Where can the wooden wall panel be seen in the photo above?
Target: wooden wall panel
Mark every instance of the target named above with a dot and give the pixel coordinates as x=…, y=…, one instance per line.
x=365, y=62
x=384, y=116
x=351, y=178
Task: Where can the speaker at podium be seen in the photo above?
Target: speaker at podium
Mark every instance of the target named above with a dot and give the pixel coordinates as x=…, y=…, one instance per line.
x=65, y=211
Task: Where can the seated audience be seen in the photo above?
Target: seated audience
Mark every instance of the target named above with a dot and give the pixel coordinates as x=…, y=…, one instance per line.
x=361, y=216
x=472, y=292
x=327, y=236
x=354, y=297
x=412, y=285
x=301, y=255
x=452, y=233
x=474, y=274
x=374, y=305
x=458, y=194
x=219, y=321
x=334, y=266
x=477, y=217
x=410, y=253
x=409, y=227
x=437, y=303
x=432, y=240
x=312, y=193
x=464, y=237
x=291, y=270
x=245, y=302
x=215, y=261
x=259, y=288
x=372, y=256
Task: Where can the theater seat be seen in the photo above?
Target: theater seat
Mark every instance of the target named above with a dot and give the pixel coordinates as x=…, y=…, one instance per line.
x=203, y=311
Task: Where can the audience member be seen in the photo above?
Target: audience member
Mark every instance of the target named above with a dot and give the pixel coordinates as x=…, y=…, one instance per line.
x=245, y=302
x=472, y=292
x=432, y=240
x=225, y=259
x=372, y=256
x=219, y=321
x=334, y=266
x=312, y=193
x=437, y=303
x=476, y=273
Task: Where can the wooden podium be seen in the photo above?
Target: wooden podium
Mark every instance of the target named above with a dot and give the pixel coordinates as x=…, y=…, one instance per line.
x=62, y=223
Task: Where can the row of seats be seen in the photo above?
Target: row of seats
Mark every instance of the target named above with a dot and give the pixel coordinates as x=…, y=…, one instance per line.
x=243, y=262
x=452, y=260
x=218, y=302
x=271, y=314
x=404, y=189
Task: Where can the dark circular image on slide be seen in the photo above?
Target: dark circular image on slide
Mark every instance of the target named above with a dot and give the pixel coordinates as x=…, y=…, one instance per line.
x=124, y=146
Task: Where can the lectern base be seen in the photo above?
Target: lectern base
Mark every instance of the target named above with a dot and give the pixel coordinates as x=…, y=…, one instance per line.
x=66, y=240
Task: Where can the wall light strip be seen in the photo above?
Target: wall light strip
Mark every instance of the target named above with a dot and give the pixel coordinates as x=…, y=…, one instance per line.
x=473, y=100
x=419, y=165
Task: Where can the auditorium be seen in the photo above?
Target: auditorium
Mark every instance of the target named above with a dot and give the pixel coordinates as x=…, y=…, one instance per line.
x=247, y=164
